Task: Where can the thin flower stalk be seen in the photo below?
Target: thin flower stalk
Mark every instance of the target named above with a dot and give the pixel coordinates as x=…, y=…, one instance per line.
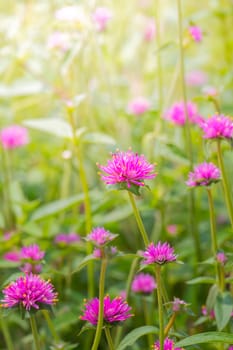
x=160, y=305
x=138, y=219
x=109, y=338
x=50, y=325
x=226, y=188
x=147, y=316
x=158, y=55
x=35, y=332
x=101, y=303
x=6, y=334
x=169, y=324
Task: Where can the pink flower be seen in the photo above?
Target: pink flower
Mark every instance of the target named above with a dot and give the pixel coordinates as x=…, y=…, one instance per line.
x=101, y=17
x=67, y=238
x=231, y=347
x=168, y=345
x=99, y=236
x=161, y=253
x=218, y=126
x=13, y=256
x=176, y=114
x=143, y=283
x=177, y=304
x=221, y=258
x=196, y=33
x=58, y=40
x=205, y=312
x=210, y=91
x=150, y=30
x=196, y=78
x=14, y=136
x=204, y=174
x=97, y=253
x=138, y=106
x=172, y=229
x=32, y=252
x=128, y=168
x=115, y=311
x=29, y=291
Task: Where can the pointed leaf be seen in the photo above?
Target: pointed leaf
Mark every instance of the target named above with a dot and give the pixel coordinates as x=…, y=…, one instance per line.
x=207, y=280
x=208, y=337
x=223, y=309
x=84, y=263
x=133, y=336
x=55, y=126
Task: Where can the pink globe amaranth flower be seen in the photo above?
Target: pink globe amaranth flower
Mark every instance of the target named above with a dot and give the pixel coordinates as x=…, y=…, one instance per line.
x=218, y=126
x=29, y=291
x=161, y=253
x=115, y=311
x=205, y=312
x=204, y=174
x=58, y=40
x=143, y=283
x=172, y=229
x=14, y=136
x=221, y=258
x=196, y=78
x=32, y=252
x=138, y=106
x=177, y=115
x=230, y=347
x=168, y=345
x=100, y=237
x=128, y=168
x=34, y=268
x=196, y=33
x=177, y=304
x=101, y=17
x=210, y=91
x=67, y=238
x=150, y=30
x=13, y=256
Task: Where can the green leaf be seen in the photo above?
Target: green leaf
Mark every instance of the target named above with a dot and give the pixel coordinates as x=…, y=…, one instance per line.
x=56, y=207
x=55, y=126
x=208, y=337
x=212, y=295
x=98, y=137
x=113, y=216
x=223, y=308
x=133, y=336
x=199, y=280
x=84, y=263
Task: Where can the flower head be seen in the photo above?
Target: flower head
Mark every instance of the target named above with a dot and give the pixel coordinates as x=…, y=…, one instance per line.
x=14, y=136
x=32, y=252
x=196, y=78
x=177, y=114
x=221, y=258
x=58, y=40
x=196, y=33
x=138, y=106
x=13, y=256
x=177, y=304
x=99, y=236
x=150, y=30
x=67, y=238
x=172, y=229
x=29, y=291
x=205, y=312
x=161, y=253
x=128, y=168
x=115, y=311
x=168, y=345
x=217, y=127
x=101, y=17
x=143, y=283
x=204, y=174
x=230, y=347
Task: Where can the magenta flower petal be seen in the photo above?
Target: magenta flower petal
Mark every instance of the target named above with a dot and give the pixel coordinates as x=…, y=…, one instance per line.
x=217, y=127
x=160, y=253
x=204, y=174
x=14, y=136
x=128, y=168
x=101, y=17
x=176, y=114
x=138, y=106
x=196, y=33
x=115, y=311
x=99, y=236
x=168, y=345
x=143, y=283
x=32, y=252
x=29, y=291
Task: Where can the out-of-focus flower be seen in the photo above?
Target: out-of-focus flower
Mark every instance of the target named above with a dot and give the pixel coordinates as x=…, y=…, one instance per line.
x=172, y=229
x=97, y=253
x=168, y=345
x=66, y=154
x=127, y=167
x=221, y=258
x=14, y=136
x=177, y=304
x=138, y=106
x=143, y=283
x=101, y=17
x=115, y=311
x=13, y=256
x=205, y=312
x=161, y=253
x=177, y=115
x=58, y=40
x=7, y=235
x=210, y=91
x=196, y=33
x=29, y=291
x=150, y=30
x=218, y=126
x=204, y=174
x=196, y=78
x=100, y=237
x=34, y=255
x=230, y=347
x=67, y=238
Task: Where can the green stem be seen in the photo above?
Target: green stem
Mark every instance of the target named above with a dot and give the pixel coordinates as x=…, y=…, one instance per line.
x=226, y=188
x=147, y=319
x=6, y=335
x=87, y=203
x=101, y=304
x=214, y=237
x=35, y=332
x=109, y=338
x=138, y=219
x=159, y=62
x=160, y=305
x=170, y=324
x=50, y=325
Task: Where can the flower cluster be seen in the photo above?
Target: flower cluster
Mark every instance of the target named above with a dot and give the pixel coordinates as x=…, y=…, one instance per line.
x=168, y=345
x=99, y=236
x=29, y=291
x=177, y=113
x=115, y=311
x=143, y=283
x=218, y=126
x=204, y=174
x=138, y=106
x=221, y=258
x=127, y=168
x=177, y=304
x=14, y=136
x=67, y=238
x=160, y=253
